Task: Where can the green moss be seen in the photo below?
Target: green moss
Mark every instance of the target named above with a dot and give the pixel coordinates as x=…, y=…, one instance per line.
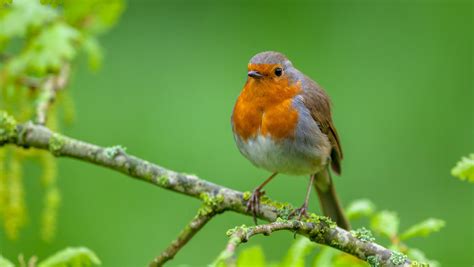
x=112, y=152
x=363, y=234
x=317, y=234
x=149, y=176
x=246, y=196
x=284, y=209
x=281, y=220
x=56, y=143
x=210, y=203
x=285, y=213
x=205, y=210
x=335, y=244
x=204, y=196
x=267, y=201
x=373, y=261
x=313, y=218
x=210, y=200
x=232, y=231
x=328, y=221
x=419, y=264
x=163, y=180
x=219, y=198
x=317, y=219
x=398, y=258
x=7, y=127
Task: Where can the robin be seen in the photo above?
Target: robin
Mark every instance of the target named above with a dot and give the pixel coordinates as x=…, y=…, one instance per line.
x=282, y=123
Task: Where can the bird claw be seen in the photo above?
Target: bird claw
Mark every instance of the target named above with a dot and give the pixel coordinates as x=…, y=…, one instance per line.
x=253, y=204
x=301, y=212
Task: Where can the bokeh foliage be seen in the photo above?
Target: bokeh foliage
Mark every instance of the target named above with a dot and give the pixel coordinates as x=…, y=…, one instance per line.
x=37, y=41
x=464, y=169
x=68, y=257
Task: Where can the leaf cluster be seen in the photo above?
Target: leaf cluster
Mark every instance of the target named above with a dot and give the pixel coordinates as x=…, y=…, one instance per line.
x=464, y=169
x=68, y=257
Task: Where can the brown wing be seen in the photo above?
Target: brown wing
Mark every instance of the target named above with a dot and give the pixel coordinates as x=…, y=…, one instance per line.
x=318, y=102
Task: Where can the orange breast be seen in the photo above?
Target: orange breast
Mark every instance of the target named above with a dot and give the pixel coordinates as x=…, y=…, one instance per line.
x=265, y=106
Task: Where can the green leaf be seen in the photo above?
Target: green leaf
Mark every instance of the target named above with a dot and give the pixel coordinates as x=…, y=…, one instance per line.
x=94, y=16
x=23, y=15
x=6, y=2
x=423, y=228
x=53, y=3
x=360, y=208
x=78, y=256
x=251, y=257
x=5, y=263
x=94, y=52
x=464, y=169
x=345, y=260
x=325, y=257
x=53, y=46
x=47, y=51
x=385, y=223
x=297, y=252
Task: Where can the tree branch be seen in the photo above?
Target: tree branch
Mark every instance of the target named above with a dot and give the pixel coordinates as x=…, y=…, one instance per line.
x=316, y=233
x=317, y=228
x=49, y=88
x=204, y=215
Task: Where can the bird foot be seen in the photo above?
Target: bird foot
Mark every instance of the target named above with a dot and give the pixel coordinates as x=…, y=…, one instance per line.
x=253, y=204
x=301, y=212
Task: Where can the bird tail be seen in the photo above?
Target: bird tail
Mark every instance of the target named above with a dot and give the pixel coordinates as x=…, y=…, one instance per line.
x=328, y=199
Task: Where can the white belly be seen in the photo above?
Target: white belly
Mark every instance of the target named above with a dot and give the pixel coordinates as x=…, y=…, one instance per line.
x=285, y=156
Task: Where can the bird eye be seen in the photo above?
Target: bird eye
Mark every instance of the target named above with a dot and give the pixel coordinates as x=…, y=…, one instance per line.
x=278, y=71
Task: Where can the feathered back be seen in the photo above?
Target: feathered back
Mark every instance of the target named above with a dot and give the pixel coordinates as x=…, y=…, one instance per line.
x=317, y=101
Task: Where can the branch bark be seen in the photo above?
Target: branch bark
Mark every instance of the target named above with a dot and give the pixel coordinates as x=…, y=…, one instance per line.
x=49, y=89
x=317, y=228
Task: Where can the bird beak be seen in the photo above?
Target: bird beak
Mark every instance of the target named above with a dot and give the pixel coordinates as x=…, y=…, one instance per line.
x=254, y=74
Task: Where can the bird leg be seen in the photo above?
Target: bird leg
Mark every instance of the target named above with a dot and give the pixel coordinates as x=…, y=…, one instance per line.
x=302, y=210
x=253, y=204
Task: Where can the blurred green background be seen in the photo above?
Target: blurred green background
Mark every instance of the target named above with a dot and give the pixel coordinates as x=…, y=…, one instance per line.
x=399, y=75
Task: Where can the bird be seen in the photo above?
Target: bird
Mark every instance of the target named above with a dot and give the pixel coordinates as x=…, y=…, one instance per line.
x=282, y=122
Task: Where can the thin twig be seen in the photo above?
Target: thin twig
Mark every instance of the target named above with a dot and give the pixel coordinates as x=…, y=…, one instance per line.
x=49, y=88
x=242, y=234
x=37, y=136
x=196, y=224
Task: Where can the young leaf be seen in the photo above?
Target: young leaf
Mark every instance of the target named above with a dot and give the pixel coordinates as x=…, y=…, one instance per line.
x=423, y=228
x=252, y=256
x=345, y=260
x=5, y=263
x=78, y=256
x=54, y=45
x=360, y=208
x=94, y=16
x=464, y=169
x=23, y=15
x=325, y=257
x=94, y=52
x=297, y=252
x=385, y=223
x=46, y=51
